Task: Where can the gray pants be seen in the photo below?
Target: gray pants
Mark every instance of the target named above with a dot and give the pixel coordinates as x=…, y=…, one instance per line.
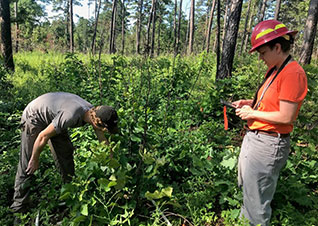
x=62, y=150
x=260, y=161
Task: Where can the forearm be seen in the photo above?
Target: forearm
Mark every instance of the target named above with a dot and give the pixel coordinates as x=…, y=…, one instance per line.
x=101, y=137
x=274, y=117
x=38, y=146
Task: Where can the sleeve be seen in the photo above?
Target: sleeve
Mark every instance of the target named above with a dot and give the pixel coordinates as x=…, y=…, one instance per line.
x=62, y=121
x=293, y=87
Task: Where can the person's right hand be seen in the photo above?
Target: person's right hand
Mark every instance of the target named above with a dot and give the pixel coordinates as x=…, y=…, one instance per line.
x=241, y=103
x=32, y=166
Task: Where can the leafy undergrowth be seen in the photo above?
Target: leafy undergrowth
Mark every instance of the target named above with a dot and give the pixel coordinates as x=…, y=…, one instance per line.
x=173, y=163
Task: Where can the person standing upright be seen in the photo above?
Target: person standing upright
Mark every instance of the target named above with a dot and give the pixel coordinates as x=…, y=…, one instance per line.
x=270, y=117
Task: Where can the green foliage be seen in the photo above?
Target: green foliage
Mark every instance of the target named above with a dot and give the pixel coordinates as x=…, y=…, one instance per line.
x=173, y=162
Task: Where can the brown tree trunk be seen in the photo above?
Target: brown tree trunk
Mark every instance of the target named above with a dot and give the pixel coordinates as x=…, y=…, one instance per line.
x=71, y=26
x=228, y=5
x=229, y=43
x=154, y=2
x=277, y=9
x=217, y=38
x=245, y=25
x=179, y=27
x=309, y=33
x=262, y=12
x=175, y=25
x=249, y=30
x=147, y=51
x=208, y=35
x=97, y=10
x=6, y=40
x=139, y=26
x=16, y=26
x=191, y=30
x=123, y=11
x=113, y=28
x=158, y=39
x=188, y=33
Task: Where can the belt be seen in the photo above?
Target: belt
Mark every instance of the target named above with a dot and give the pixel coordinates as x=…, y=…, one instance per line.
x=269, y=133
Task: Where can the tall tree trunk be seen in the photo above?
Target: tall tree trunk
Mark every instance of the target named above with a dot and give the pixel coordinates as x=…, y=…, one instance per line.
x=309, y=33
x=158, y=39
x=206, y=26
x=175, y=25
x=123, y=11
x=217, y=38
x=249, y=30
x=179, y=27
x=277, y=9
x=112, y=28
x=245, y=25
x=6, y=34
x=16, y=26
x=71, y=27
x=139, y=26
x=227, y=7
x=228, y=51
x=191, y=30
x=188, y=33
x=97, y=10
x=147, y=51
x=262, y=12
x=210, y=27
x=67, y=30
x=154, y=2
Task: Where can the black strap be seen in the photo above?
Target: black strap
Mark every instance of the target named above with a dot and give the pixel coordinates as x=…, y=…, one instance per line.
x=254, y=105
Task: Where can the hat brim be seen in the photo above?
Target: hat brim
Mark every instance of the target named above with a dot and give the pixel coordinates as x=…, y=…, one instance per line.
x=292, y=33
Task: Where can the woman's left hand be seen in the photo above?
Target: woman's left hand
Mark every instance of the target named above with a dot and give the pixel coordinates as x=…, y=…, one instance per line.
x=245, y=113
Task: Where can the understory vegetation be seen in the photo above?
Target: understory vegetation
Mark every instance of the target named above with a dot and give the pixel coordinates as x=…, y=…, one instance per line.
x=173, y=164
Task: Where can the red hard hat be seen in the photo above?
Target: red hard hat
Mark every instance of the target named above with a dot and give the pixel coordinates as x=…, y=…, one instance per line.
x=268, y=30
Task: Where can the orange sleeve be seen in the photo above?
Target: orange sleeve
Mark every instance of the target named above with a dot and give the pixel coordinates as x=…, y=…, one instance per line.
x=293, y=86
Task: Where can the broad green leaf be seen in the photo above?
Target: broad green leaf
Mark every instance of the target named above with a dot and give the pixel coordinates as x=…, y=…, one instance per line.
x=84, y=210
x=229, y=163
x=165, y=192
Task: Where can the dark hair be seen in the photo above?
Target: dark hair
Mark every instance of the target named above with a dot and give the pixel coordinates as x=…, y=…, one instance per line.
x=284, y=43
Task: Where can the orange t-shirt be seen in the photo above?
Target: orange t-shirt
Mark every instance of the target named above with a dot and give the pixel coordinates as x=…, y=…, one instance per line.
x=289, y=85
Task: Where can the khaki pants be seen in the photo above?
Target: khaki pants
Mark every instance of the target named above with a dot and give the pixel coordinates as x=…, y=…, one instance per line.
x=260, y=161
x=62, y=150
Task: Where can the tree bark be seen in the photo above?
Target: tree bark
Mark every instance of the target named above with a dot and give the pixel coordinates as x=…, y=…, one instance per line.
x=16, y=26
x=262, y=12
x=97, y=10
x=245, y=26
x=113, y=28
x=210, y=27
x=229, y=43
x=277, y=9
x=123, y=11
x=158, y=39
x=154, y=2
x=6, y=39
x=140, y=7
x=249, y=30
x=191, y=30
x=175, y=25
x=217, y=38
x=147, y=51
x=71, y=26
x=309, y=33
x=228, y=5
x=179, y=27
